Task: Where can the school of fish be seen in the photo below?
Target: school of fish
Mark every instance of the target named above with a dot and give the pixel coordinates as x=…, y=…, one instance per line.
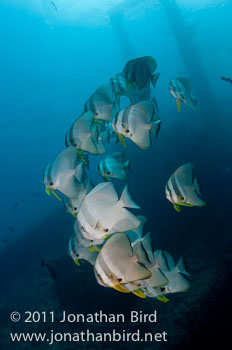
x=106, y=233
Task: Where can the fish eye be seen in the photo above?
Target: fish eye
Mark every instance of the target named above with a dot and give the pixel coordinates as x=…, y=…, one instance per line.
x=77, y=255
x=96, y=113
x=108, y=173
x=119, y=279
x=91, y=241
x=106, y=230
x=162, y=289
x=75, y=209
x=75, y=145
x=51, y=183
x=127, y=130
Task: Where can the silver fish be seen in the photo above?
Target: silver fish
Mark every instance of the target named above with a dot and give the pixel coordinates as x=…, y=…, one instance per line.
x=182, y=189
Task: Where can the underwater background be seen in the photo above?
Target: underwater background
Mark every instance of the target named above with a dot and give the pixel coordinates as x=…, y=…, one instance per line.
x=53, y=56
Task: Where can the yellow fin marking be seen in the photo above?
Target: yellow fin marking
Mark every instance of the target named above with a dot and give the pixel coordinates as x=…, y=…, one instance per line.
x=98, y=121
x=178, y=105
x=139, y=293
x=177, y=208
x=119, y=288
x=122, y=140
x=77, y=262
x=55, y=195
x=47, y=190
x=163, y=299
x=90, y=249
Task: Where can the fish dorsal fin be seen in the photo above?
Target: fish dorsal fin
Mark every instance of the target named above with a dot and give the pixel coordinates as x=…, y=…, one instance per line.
x=126, y=199
x=106, y=91
x=104, y=189
x=182, y=267
x=170, y=260
x=160, y=260
x=154, y=79
x=64, y=161
x=184, y=175
x=141, y=112
x=84, y=123
x=118, y=156
x=158, y=278
x=141, y=254
x=186, y=83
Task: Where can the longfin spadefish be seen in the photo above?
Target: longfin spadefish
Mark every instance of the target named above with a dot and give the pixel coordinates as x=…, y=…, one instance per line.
x=177, y=208
x=178, y=105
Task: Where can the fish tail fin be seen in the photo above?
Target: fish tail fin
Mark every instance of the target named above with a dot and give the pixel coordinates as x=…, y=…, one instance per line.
x=182, y=267
x=155, y=127
x=126, y=199
x=154, y=78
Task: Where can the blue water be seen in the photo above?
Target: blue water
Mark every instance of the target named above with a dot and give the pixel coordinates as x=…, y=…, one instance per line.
x=50, y=63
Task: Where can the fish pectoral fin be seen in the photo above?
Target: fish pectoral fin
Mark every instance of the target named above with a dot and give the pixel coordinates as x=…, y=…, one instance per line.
x=163, y=299
x=178, y=105
x=177, y=208
x=74, y=215
x=48, y=191
x=77, y=262
x=122, y=140
x=120, y=288
x=139, y=293
x=55, y=195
